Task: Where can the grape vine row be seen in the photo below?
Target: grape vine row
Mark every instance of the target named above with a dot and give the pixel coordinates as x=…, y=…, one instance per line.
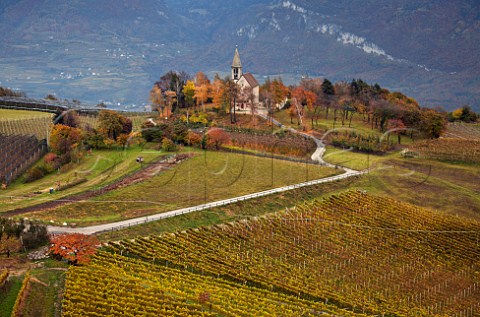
x=351, y=254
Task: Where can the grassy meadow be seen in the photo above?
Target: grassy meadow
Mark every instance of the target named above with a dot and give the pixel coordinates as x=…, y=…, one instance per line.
x=97, y=169
x=206, y=177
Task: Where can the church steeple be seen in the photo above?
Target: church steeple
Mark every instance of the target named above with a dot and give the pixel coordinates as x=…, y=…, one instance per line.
x=236, y=66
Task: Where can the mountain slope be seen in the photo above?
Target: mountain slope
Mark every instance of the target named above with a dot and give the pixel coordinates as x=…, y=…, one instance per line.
x=91, y=50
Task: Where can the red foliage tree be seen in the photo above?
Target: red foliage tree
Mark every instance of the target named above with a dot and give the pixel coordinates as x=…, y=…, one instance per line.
x=216, y=137
x=76, y=247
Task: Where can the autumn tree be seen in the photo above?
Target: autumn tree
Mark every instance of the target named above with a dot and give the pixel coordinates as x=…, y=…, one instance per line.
x=64, y=139
x=69, y=118
x=217, y=90
x=77, y=248
x=201, y=79
x=17, y=235
x=295, y=110
x=189, y=93
x=304, y=98
x=279, y=90
x=433, y=123
x=8, y=92
x=273, y=92
x=170, y=100
x=203, y=89
x=231, y=93
x=157, y=99
x=216, y=137
x=112, y=124
x=314, y=85
x=465, y=114
x=174, y=81
x=396, y=126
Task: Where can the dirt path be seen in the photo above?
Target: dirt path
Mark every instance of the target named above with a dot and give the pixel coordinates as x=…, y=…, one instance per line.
x=36, y=280
x=144, y=173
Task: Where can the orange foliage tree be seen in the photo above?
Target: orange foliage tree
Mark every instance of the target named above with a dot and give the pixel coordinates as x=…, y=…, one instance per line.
x=75, y=247
x=218, y=88
x=64, y=138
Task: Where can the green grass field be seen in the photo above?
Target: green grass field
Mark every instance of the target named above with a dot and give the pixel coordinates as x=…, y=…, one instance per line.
x=7, y=114
x=8, y=295
x=236, y=211
x=326, y=124
x=46, y=290
x=99, y=168
x=354, y=160
x=445, y=188
x=358, y=125
x=206, y=177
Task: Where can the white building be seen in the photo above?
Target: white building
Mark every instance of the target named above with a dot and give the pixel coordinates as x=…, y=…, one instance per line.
x=249, y=89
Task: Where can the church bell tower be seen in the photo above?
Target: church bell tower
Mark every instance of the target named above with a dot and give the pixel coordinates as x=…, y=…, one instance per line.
x=236, y=66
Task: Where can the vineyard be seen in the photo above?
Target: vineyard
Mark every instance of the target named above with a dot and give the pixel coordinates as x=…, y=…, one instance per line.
x=350, y=254
x=292, y=145
x=17, y=153
x=368, y=143
x=3, y=276
x=463, y=131
x=38, y=126
x=455, y=150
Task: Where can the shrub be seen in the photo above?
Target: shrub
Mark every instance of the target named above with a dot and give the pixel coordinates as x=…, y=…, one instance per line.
x=193, y=139
x=168, y=145
x=50, y=157
x=34, y=173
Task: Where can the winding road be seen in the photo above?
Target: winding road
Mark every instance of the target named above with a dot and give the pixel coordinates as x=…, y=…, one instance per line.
x=316, y=156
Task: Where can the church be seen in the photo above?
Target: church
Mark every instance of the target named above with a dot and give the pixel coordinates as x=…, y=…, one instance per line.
x=249, y=89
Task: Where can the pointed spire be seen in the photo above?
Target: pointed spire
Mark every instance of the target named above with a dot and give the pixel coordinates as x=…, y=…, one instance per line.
x=236, y=59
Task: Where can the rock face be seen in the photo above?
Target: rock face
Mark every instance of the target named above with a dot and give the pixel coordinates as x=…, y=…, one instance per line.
x=39, y=254
x=91, y=50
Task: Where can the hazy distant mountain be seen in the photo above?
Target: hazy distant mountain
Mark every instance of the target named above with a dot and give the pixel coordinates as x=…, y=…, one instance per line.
x=114, y=51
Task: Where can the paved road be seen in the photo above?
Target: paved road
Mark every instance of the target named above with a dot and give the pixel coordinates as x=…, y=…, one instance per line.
x=168, y=214
x=316, y=156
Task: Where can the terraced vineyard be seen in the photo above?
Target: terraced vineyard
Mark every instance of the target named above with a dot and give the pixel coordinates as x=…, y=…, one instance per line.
x=350, y=254
x=463, y=131
x=17, y=153
x=118, y=285
x=460, y=150
x=38, y=126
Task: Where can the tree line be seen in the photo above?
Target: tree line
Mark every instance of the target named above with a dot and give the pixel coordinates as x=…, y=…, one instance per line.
x=309, y=100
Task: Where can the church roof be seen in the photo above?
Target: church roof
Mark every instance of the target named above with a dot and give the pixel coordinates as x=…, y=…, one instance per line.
x=251, y=80
x=236, y=59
